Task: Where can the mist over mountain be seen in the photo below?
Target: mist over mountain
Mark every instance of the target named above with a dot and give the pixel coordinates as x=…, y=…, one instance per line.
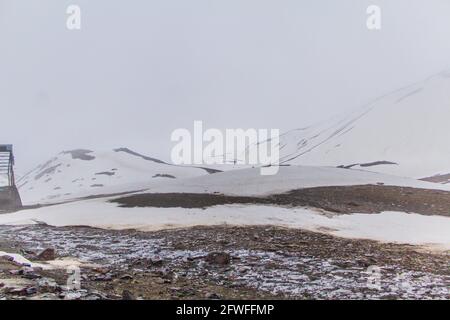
x=405, y=133
x=80, y=173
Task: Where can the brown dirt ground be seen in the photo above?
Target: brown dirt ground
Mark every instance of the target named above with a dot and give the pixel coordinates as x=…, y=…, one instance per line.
x=344, y=200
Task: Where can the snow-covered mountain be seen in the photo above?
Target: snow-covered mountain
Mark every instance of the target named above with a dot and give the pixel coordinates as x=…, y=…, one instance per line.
x=406, y=133
x=81, y=173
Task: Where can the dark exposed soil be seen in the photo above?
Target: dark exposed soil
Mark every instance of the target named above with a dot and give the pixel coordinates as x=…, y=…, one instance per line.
x=80, y=154
x=342, y=199
x=440, y=178
x=370, y=199
x=183, y=200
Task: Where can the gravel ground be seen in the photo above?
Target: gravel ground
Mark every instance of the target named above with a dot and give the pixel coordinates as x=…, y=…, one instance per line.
x=222, y=262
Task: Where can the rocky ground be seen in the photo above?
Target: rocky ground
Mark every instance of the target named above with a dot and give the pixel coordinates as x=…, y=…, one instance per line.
x=343, y=200
x=220, y=262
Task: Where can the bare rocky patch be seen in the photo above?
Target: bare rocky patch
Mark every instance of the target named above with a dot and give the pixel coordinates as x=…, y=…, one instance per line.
x=440, y=178
x=342, y=199
x=80, y=154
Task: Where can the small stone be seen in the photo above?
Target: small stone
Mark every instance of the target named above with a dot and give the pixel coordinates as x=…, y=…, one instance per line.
x=47, y=255
x=220, y=258
x=106, y=277
x=72, y=296
x=157, y=263
x=244, y=269
x=31, y=290
x=31, y=276
x=101, y=270
x=16, y=272
x=126, y=277
x=160, y=281
x=127, y=295
x=93, y=296
x=212, y=296
x=48, y=285
x=29, y=273
x=175, y=289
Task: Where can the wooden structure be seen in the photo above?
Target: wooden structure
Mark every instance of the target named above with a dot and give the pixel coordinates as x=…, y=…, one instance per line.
x=9, y=195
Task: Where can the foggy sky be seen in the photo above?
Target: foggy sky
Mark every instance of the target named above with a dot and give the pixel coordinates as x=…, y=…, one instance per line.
x=140, y=69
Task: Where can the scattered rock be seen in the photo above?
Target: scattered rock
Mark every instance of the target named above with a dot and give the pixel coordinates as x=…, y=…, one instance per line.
x=101, y=270
x=127, y=295
x=220, y=258
x=21, y=291
x=47, y=255
x=212, y=296
x=29, y=273
x=296, y=262
x=48, y=285
x=30, y=291
x=105, y=277
x=72, y=296
x=16, y=272
x=126, y=277
x=94, y=295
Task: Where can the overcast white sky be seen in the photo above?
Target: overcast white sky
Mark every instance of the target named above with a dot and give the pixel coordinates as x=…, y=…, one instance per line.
x=139, y=69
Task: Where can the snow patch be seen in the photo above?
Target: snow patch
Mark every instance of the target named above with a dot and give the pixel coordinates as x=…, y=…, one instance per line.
x=398, y=227
x=249, y=182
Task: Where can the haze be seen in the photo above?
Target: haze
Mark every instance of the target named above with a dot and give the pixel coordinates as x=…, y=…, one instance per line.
x=137, y=70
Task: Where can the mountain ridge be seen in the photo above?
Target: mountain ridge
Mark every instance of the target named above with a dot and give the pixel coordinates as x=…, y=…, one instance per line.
x=404, y=133
x=83, y=172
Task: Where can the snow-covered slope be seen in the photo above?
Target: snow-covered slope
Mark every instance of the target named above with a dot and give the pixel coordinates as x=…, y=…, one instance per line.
x=249, y=182
x=81, y=173
x=387, y=226
x=400, y=227
x=405, y=133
